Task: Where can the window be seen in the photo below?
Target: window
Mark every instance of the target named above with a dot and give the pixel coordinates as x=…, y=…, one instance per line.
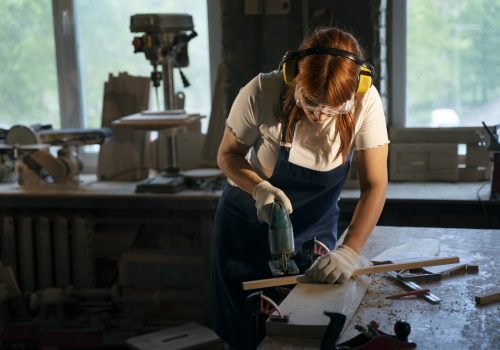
x=28, y=78
x=103, y=45
x=452, y=63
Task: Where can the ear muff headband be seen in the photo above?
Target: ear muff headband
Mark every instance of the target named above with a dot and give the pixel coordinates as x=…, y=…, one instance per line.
x=289, y=65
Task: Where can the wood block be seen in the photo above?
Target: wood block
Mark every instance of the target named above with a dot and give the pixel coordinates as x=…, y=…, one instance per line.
x=306, y=302
x=487, y=298
x=188, y=336
x=453, y=269
x=121, y=158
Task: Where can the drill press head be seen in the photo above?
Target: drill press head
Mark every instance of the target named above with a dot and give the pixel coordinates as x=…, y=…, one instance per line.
x=281, y=242
x=165, y=39
x=165, y=44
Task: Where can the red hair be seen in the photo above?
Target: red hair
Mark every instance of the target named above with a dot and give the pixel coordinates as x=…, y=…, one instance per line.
x=328, y=79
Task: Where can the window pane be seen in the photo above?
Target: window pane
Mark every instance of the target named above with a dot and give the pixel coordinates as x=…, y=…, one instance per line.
x=106, y=47
x=28, y=78
x=453, y=62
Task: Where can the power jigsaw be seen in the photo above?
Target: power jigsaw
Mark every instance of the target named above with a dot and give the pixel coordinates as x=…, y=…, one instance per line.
x=281, y=242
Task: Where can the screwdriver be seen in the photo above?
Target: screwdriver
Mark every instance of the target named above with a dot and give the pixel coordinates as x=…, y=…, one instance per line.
x=414, y=292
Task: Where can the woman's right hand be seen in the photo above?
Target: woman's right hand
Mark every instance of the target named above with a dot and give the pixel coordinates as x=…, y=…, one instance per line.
x=265, y=195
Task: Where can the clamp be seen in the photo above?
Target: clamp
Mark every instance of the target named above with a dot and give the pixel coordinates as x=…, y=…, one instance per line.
x=370, y=337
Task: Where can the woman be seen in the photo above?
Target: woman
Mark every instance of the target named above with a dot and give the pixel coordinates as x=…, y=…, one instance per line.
x=289, y=137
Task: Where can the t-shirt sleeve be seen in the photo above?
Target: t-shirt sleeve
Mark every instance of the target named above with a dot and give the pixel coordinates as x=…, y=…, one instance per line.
x=372, y=131
x=242, y=119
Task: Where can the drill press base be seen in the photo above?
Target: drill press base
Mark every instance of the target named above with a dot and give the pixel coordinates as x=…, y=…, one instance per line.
x=161, y=184
x=277, y=270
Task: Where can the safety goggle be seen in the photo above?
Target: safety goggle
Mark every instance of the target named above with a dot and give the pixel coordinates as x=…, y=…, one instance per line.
x=318, y=109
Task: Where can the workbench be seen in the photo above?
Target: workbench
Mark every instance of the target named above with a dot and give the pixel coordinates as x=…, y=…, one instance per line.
x=455, y=323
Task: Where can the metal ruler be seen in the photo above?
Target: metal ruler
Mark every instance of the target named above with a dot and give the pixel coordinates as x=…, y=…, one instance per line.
x=431, y=298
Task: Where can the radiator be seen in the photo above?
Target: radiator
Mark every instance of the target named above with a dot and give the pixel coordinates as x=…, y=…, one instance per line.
x=48, y=251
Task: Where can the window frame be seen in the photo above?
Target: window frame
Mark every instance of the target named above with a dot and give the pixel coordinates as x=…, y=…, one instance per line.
x=69, y=80
x=397, y=63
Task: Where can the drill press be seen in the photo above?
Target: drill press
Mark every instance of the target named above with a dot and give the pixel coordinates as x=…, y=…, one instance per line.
x=281, y=242
x=164, y=43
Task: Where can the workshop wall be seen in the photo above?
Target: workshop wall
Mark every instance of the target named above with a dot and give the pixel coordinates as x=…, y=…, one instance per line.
x=256, y=33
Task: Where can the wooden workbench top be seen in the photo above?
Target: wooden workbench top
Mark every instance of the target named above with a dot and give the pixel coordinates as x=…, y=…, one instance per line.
x=102, y=194
x=455, y=323
x=435, y=191
x=439, y=191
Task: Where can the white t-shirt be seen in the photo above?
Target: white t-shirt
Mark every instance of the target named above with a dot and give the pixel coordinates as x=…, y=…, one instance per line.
x=254, y=122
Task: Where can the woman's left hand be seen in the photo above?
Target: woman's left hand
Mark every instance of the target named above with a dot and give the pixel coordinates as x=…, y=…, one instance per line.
x=335, y=266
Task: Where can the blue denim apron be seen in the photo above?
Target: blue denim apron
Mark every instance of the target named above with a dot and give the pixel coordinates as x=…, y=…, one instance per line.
x=241, y=250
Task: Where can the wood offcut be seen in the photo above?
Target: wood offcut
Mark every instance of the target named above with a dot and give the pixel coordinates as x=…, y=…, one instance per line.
x=487, y=298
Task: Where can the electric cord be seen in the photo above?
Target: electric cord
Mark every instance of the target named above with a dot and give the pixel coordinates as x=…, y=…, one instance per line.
x=481, y=201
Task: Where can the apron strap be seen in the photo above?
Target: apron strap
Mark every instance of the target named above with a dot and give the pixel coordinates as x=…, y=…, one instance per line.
x=283, y=143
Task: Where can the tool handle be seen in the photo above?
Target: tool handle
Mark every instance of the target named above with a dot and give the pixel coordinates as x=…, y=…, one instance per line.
x=414, y=292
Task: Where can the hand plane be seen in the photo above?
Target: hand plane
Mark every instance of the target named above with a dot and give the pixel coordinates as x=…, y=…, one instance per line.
x=281, y=242
x=369, y=338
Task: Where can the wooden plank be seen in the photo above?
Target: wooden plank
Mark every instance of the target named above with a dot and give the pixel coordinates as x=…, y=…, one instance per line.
x=453, y=269
x=487, y=298
x=283, y=281
x=159, y=121
x=406, y=266
x=306, y=302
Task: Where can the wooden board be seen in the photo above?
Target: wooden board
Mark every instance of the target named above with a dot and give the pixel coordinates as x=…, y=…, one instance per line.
x=156, y=121
x=283, y=281
x=306, y=302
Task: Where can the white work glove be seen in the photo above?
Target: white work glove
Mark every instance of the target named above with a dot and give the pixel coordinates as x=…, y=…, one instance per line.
x=265, y=195
x=335, y=266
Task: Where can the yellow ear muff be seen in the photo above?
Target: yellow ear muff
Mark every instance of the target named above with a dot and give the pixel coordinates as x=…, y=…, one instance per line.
x=290, y=70
x=364, y=80
x=289, y=65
